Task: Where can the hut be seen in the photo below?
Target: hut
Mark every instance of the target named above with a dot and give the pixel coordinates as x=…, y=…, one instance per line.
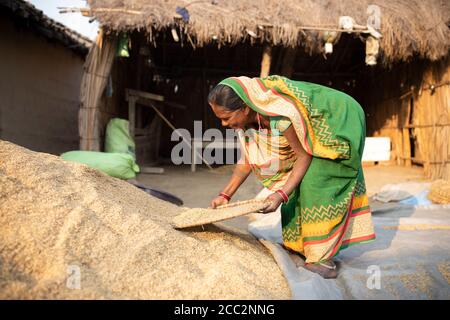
x=392, y=56
x=41, y=63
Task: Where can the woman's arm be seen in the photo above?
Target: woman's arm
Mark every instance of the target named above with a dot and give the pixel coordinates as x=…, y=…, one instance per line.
x=301, y=164
x=240, y=174
x=298, y=171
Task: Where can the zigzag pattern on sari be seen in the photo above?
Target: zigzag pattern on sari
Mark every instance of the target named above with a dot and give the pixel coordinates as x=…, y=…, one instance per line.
x=322, y=138
x=312, y=234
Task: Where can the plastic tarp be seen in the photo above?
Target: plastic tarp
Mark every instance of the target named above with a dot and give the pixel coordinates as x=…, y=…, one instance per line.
x=410, y=259
x=414, y=193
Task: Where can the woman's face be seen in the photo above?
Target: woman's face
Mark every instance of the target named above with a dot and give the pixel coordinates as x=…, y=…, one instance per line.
x=235, y=119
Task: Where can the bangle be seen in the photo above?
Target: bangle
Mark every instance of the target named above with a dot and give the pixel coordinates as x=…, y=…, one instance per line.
x=283, y=195
x=225, y=196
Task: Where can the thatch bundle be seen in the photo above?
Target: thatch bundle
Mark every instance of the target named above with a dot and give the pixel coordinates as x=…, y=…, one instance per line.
x=440, y=192
x=408, y=26
x=97, y=69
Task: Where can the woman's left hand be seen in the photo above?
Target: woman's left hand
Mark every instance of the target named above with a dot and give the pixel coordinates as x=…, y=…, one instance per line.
x=275, y=201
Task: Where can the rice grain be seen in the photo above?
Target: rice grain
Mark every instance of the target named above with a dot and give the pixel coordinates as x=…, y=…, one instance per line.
x=70, y=232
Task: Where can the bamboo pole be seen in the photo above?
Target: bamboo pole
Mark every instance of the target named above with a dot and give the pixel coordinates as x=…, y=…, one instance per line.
x=266, y=61
x=405, y=133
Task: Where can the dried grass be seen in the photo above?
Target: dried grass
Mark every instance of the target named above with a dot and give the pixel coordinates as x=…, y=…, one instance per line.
x=54, y=214
x=440, y=192
x=432, y=110
x=408, y=26
x=96, y=70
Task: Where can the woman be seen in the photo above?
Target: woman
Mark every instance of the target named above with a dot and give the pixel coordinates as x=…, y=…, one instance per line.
x=304, y=142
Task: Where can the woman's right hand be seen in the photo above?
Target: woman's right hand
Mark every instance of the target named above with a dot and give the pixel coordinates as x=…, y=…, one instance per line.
x=218, y=201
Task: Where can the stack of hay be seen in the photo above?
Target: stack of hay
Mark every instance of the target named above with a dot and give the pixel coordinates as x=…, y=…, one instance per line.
x=440, y=192
x=71, y=232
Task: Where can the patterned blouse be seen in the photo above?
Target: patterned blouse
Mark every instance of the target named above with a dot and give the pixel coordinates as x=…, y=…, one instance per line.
x=268, y=152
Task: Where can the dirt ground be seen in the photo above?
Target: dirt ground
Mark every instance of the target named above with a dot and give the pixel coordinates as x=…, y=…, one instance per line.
x=380, y=175
x=197, y=189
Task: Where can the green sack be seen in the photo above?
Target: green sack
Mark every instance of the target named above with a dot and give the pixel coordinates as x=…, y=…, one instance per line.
x=117, y=165
x=118, y=138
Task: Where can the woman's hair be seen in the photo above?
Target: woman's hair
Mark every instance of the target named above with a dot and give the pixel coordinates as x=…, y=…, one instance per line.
x=224, y=96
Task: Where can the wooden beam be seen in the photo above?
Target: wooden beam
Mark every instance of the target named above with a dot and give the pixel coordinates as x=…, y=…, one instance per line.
x=427, y=125
x=142, y=94
x=265, y=61
x=141, y=97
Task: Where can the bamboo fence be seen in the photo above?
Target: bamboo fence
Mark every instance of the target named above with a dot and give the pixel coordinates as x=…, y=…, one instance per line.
x=97, y=69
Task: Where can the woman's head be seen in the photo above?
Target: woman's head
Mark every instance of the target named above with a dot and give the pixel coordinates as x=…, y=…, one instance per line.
x=229, y=107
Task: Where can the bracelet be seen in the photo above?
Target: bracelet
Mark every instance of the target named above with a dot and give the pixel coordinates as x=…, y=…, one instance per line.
x=225, y=196
x=283, y=195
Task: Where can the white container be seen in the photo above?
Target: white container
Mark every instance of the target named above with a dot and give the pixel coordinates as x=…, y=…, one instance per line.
x=377, y=149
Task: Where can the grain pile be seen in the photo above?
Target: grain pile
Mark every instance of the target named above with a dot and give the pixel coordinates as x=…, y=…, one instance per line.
x=440, y=192
x=64, y=226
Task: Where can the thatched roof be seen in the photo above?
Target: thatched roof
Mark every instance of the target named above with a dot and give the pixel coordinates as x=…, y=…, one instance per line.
x=35, y=19
x=408, y=27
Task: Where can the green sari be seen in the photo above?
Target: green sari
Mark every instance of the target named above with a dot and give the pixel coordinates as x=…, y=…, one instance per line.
x=329, y=209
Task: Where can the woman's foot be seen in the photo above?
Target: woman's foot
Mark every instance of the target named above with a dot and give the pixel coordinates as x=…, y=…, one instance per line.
x=326, y=269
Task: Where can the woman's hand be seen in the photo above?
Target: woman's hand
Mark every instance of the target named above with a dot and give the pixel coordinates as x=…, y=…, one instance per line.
x=218, y=201
x=275, y=200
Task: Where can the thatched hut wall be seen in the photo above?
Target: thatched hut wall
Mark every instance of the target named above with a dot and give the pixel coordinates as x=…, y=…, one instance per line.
x=185, y=75
x=392, y=97
x=431, y=120
x=227, y=39
x=401, y=105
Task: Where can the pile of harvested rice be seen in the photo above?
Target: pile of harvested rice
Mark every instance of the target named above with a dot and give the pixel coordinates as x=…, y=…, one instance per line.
x=68, y=231
x=440, y=192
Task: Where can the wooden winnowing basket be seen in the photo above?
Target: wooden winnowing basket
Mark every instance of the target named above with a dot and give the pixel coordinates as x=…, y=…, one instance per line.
x=200, y=216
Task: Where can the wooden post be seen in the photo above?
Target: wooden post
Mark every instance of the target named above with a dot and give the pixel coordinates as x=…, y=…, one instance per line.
x=265, y=61
x=132, y=115
x=405, y=131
